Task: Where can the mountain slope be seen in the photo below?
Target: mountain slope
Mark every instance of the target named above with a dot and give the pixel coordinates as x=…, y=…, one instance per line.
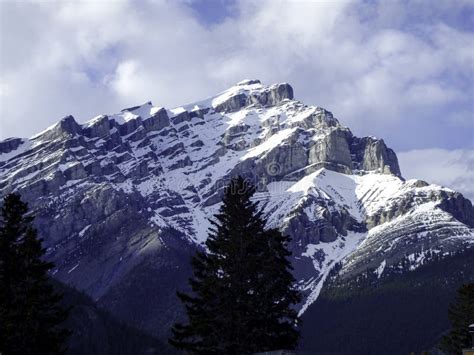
x=123, y=200
x=400, y=312
x=95, y=331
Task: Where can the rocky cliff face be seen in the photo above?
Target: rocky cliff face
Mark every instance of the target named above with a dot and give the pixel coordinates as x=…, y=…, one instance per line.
x=123, y=200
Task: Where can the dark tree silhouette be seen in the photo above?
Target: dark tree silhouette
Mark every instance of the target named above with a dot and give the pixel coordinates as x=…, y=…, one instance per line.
x=461, y=315
x=30, y=315
x=242, y=287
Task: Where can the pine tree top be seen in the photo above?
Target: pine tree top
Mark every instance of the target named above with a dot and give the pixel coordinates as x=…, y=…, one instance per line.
x=243, y=290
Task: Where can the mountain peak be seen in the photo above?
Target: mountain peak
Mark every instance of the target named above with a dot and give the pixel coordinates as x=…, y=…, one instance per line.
x=245, y=93
x=249, y=82
x=250, y=119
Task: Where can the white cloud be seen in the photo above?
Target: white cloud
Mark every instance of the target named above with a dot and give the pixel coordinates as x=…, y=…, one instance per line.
x=358, y=60
x=451, y=168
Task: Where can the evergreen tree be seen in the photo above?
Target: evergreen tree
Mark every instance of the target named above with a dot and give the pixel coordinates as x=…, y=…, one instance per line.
x=30, y=315
x=242, y=286
x=461, y=315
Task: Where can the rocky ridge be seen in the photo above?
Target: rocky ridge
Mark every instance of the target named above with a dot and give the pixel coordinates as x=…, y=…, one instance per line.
x=134, y=191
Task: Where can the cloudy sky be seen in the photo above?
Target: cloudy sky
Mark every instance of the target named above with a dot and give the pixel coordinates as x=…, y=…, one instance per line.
x=401, y=70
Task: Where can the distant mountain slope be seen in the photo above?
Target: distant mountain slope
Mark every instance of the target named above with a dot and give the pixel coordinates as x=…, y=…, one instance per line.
x=95, y=331
x=123, y=200
x=393, y=313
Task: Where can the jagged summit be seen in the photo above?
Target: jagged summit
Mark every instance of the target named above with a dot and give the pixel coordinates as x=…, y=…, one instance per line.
x=248, y=82
x=245, y=93
x=123, y=189
x=281, y=119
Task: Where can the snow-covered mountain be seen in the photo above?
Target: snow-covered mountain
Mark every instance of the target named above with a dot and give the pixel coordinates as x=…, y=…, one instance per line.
x=123, y=200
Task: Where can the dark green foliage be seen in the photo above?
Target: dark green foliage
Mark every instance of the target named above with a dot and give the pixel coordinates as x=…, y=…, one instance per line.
x=97, y=332
x=396, y=314
x=30, y=316
x=242, y=288
x=461, y=315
